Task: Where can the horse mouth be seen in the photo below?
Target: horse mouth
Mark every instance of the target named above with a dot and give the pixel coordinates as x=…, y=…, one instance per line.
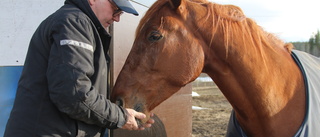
x=139, y=123
x=138, y=107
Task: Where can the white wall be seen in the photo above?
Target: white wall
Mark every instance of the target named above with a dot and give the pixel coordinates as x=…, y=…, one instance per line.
x=18, y=20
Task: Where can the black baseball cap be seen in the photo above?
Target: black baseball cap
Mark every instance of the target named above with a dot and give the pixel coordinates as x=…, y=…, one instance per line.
x=126, y=6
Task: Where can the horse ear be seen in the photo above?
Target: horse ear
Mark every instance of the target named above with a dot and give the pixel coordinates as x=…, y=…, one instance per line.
x=289, y=47
x=175, y=3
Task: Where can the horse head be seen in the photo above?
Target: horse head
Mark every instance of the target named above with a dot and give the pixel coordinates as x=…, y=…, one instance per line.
x=165, y=57
x=169, y=51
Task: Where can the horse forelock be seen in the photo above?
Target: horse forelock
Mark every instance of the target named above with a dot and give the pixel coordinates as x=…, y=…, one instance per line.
x=152, y=12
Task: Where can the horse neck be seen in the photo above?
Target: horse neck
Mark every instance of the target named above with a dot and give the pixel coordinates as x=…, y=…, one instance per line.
x=255, y=82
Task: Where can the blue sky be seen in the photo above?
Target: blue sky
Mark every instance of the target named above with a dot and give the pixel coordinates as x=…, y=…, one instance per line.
x=290, y=20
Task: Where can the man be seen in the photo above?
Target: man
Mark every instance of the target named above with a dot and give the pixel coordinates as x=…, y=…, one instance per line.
x=63, y=87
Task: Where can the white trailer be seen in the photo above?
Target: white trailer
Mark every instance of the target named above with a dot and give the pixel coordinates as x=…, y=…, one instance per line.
x=18, y=19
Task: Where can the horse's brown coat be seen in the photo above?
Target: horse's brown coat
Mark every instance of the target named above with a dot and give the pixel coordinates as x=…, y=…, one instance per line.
x=178, y=39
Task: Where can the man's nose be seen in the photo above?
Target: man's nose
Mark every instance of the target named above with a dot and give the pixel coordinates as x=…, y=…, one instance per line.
x=116, y=18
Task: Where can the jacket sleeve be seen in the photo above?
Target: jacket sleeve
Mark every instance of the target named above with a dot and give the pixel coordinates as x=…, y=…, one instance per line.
x=70, y=66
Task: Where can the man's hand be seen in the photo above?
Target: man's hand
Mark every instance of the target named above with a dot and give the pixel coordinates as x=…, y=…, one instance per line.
x=132, y=123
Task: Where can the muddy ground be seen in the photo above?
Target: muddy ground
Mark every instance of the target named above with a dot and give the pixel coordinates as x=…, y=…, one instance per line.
x=212, y=121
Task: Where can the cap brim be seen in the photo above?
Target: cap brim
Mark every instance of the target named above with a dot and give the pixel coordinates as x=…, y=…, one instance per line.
x=126, y=6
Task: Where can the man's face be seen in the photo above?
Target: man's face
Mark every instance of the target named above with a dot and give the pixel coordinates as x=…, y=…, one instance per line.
x=104, y=10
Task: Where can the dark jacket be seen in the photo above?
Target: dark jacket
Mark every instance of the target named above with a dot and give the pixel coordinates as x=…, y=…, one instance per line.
x=64, y=84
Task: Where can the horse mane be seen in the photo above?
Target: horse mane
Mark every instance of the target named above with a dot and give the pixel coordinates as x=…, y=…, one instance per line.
x=237, y=27
x=232, y=21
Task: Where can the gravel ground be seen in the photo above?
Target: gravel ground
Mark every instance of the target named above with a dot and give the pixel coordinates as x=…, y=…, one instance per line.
x=212, y=121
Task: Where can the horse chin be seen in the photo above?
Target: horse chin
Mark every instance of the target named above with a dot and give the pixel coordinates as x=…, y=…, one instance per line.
x=139, y=107
x=142, y=122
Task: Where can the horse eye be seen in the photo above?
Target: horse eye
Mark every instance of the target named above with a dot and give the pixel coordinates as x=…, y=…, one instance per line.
x=155, y=36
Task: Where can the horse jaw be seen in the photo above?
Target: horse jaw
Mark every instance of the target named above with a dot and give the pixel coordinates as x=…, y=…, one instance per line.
x=142, y=96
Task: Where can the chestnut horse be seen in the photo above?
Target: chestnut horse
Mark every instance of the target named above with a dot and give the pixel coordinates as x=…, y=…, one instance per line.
x=177, y=40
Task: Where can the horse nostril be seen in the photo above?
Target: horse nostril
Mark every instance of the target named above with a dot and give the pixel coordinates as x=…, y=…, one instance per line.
x=119, y=102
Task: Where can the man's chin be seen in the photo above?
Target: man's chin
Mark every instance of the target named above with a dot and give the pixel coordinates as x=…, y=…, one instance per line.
x=106, y=25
